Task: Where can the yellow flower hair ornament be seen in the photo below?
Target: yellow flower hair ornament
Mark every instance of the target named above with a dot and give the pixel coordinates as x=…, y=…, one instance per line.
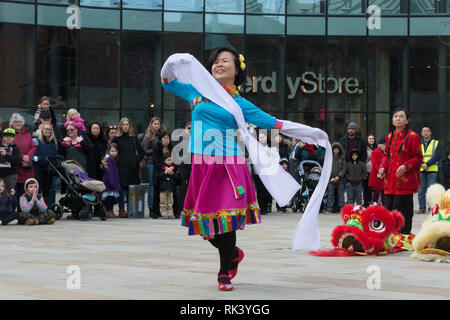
x=241, y=60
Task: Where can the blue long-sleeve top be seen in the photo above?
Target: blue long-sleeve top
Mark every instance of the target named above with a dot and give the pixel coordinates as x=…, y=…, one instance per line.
x=213, y=127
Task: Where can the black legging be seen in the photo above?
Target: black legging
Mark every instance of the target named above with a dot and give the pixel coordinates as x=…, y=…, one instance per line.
x=226, y=244
x=404, y=204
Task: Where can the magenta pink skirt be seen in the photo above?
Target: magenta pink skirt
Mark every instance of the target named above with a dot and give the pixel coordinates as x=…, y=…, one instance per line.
x=220, y=197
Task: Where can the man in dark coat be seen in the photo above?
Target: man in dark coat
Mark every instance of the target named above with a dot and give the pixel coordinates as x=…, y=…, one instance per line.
x=353, y=141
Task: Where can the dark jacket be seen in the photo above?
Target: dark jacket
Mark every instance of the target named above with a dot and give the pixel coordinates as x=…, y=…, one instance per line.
x=99, y=149
x=147, y=147
x=43, y=150
x=168, y=182
x=111, y=177
x=7, y=202
x=357, y=143
x=446, y=172
x=356, y=172
x=130, y=154
x=10, y=162
x=339, y=167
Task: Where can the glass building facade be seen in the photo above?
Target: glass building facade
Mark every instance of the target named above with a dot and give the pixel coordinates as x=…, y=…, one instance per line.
x=321, y=63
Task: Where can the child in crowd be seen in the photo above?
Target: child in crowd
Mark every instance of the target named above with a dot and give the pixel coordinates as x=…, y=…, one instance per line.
x=284, y=163
x=44, y=105
x=337, y=179
x=9, y=158
x=73, y=116
x=111, y=179
x=33, y=207
x=376, y=183
x=167, y=180
x=8, y=203
x=356, y=173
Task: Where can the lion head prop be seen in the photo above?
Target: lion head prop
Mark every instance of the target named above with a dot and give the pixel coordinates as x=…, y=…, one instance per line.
x=370, y=231
x=432, y=243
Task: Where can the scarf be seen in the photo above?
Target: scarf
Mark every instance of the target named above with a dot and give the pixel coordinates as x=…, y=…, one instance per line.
x=280, y=184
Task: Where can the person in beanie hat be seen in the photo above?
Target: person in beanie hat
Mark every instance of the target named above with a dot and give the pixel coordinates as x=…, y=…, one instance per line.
x=353, y=141
x=33, y=207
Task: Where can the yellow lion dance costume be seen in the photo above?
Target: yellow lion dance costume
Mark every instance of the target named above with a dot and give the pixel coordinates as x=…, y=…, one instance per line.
x=432, y=243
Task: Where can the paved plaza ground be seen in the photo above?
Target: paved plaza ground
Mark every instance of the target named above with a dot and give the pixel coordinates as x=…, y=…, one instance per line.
x=155, y=259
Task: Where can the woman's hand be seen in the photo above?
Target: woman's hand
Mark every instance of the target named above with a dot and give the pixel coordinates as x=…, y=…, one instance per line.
x=79, y=139
x=400, y=171
x=26, y=158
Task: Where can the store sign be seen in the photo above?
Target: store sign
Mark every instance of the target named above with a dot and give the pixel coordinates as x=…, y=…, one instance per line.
x=309, y=83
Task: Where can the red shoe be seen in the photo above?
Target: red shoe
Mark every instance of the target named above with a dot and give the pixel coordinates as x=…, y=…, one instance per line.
x=233, y=272
x=225, y=286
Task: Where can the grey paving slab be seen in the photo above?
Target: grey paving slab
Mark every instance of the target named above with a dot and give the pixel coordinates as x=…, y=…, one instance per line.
x=155, y=259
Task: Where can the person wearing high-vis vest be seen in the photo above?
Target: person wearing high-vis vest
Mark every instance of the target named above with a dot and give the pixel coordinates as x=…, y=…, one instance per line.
x=431, y=151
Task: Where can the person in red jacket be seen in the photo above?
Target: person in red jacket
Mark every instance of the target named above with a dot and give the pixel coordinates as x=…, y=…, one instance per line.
x=23, y=141
x=400, y=168
x=375, y=182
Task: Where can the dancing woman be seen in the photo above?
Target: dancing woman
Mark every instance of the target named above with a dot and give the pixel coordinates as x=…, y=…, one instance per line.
x=220, y=198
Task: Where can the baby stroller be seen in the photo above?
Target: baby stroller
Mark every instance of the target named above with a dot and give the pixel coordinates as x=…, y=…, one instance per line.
x=83, y=197
x=310, y=172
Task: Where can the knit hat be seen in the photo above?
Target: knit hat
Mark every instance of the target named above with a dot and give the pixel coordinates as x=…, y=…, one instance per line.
x=31, y=180
x=382, y=141
x=353, y=126
x=284, y=160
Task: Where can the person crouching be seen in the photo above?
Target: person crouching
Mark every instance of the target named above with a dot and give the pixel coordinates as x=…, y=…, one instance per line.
x=33, y=207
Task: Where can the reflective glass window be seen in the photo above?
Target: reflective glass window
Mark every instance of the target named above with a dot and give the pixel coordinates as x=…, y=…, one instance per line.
x=346, y=76
x=142, y=20
x=101, y=3
x=99, y=68
x=425, y=26
x=98, y=18
x=428, y=7
x=183, y=22
x=305, y=59
x=17, y=64
x=346, y=7
x=355, y=26
x=429, y=74
x=183, y=5
x=60, y=2
x=306, y=7
x=224, y=23
x=56, y=66
x=142, y=4
x=224, y=6
x=388, y=26
x=265, y=24
x=16, y=13
x=387, y=79
x=305, y=25
x=388, y=7
x=264, y=56
x=265, y=6
x=140, y=76
x=53, y=16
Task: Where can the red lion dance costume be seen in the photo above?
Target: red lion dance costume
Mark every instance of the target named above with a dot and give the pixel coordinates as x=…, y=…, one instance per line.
x=371, y=231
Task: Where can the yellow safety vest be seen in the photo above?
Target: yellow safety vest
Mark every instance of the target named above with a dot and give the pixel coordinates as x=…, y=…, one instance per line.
x=428, y=154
